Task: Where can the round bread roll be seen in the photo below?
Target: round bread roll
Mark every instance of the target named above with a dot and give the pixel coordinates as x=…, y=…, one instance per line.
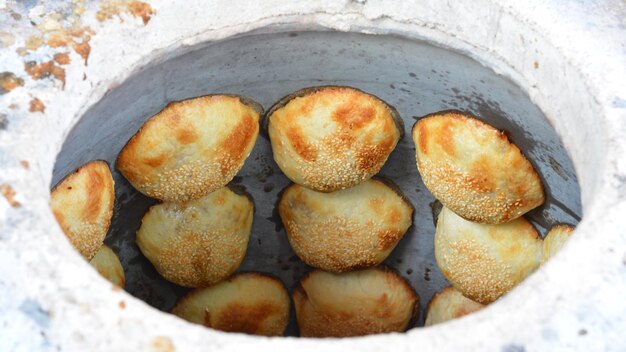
x=331, y=138
x=191, y=148
x=555, y=240
x=485, y=261
x=199, y=242
x=344, y=230
x=250, y=303
x=108, y=265
x=83, y=206
x=473, y=168
x=357, y=303
x=449, y=304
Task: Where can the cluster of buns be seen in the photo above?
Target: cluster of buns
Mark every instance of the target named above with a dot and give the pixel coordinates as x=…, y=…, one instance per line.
x=83, y=203
x=330, y=141
x=198, y=235
x=510, y=260
x=483, y=244
x=184, y=156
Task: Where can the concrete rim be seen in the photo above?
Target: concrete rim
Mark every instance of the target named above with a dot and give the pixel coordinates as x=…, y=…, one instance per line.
x=552, y=308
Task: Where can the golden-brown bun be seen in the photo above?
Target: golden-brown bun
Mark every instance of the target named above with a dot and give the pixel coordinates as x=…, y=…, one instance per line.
x=485, y=261
x=108, y=265
x=555, y=240
x=331, y=138
x=190, y=148
x=344, y=230
x=473, y=168
x=250, y=303
x=449, y=304
x=83, y=205
x=356, y=303
x=199, y=242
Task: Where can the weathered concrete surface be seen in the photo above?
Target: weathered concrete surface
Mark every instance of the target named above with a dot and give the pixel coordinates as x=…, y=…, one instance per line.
x=568, y=55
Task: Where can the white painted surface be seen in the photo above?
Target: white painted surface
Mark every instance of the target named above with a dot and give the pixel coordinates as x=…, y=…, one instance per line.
x=51, y=298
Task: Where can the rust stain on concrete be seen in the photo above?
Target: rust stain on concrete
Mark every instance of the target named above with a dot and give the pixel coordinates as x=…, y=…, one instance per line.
x=9, y=193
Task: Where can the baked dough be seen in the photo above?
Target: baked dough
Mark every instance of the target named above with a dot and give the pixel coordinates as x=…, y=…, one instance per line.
x=250, y=303
x=356, y=303
x=331, y=138
x=449, y=304
x=199, y=242
x=555, y=240
x=344, y=230
x=485, y=261
x=473, y=168
x=83, y=206
x=108, y=265
x=191, y=148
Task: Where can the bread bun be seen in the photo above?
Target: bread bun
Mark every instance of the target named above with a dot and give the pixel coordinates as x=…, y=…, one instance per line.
x=485, y=261
x=107, y=263
x=250, y=303
x=191, y=148
x=344, y=230
x=473, y=168
x=331, y=138
x=83, y=206
x=199, y=242
x=356, y=303
x=555, y=240
x=449, y=304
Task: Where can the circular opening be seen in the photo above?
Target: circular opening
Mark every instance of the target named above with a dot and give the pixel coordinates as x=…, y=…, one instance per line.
x=415, y=77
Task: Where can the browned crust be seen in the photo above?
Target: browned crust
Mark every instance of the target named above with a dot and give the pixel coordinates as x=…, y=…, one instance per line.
x=77, y=170
x=230, y=319
x=93, y=207
x=473, y=268
x=563, y=225
x=103, y=271
x=436, y=297
x=553, y=240
x=264, y=276
x=265, y=119
x=242, y=191
x=394, y=187
x=193, y=256
x=189, y=137
x=442, y=112
x=448, y=290
x=481, y=184
x=409, y=288
x=246, y=101
x=351, y=152
x=299, y=290
x=385, y=238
